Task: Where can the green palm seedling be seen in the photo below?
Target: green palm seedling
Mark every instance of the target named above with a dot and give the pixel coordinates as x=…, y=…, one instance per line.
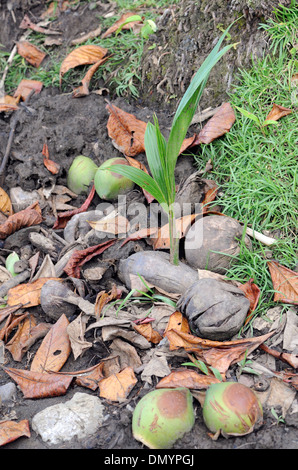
x=162, y=155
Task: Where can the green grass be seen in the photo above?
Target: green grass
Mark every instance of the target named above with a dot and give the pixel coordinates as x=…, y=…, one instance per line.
x=256, y=170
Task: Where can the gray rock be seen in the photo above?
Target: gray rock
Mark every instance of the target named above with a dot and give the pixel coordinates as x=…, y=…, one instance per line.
x=7, y=392
x=79, y=417
x=215, y=310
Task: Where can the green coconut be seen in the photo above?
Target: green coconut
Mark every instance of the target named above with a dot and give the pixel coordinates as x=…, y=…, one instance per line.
x=110, y=185
x=162, y=417
x=81, y=174
x=231, y=408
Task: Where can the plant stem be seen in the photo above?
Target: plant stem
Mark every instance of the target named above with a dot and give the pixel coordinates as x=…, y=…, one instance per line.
x=174, y=240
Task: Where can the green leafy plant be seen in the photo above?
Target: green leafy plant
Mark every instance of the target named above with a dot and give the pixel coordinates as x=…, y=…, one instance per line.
x=162, y=155
x=243, y=366
x=203, y=368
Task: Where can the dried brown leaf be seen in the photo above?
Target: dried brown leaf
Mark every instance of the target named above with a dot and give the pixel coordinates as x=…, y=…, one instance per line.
x=12, y=430
x=118, y=386
x=26, y=86
x=119, y=22
x=187, y=378
x=285, y=283
x=27, y=294
x=126, y=131
x=64, y=217
x=39, y=385
x=215, y=353
x=83, y=90
x=277, y=112
x=217, y=126
x=146, y=330
x=5, y=203
x=82, y=55
x=25, y=218
x=31, y=53
x=54, y=349
x=80, y=257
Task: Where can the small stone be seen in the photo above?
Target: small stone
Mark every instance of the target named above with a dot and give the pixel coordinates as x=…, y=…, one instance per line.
x=79, y=417
x=7, y=392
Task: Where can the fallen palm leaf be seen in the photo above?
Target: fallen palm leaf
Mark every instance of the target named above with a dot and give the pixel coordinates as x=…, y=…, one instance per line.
x=285, y=283
x=187, y=378
x=126, y=131
x=27, y=294
x=121, y=23
x=5, y=203
x=39, y=385
x=215, y=353
x=82, y=55
x=276, y=113
x=54, y=349
x=31, y=53
x=217, y=126
x=80, y=257
x=64, y=217
x=118, y=386
x=11, y=430
x=25, y=218
x=83, y=90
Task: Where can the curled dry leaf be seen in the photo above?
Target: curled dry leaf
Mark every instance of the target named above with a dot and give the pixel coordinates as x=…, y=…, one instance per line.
x=31, y=53
x=178, y=322
x=83, y=90
x=112, y=223
x=117, y=387
x=80, y=257
x=27, y=23
x=215, y=353
x=103, y=298
x=146, y=330
x=12, y=430
x=187, y=378
x=126, y=131
x=11, y=323
x=26, y=86
x=64, y=217
x=8, y=103
x=5, y=203
x=285, y=283
x=39, y=384
x=25, y=218
x=82, y=55
x=76, y=332
x=92, y=377
x=52, y=166
x=277, y=112
x=27, y=334
x=252, y=293
x=54, y=349
x=27, y=294
x=217, y=126
x=120, y=22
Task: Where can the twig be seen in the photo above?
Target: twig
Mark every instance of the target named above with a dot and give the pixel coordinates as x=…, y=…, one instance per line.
x=259, y=236
x=13, y=126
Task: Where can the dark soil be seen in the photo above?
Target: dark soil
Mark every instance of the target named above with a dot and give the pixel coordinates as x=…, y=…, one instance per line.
x=72, y=127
